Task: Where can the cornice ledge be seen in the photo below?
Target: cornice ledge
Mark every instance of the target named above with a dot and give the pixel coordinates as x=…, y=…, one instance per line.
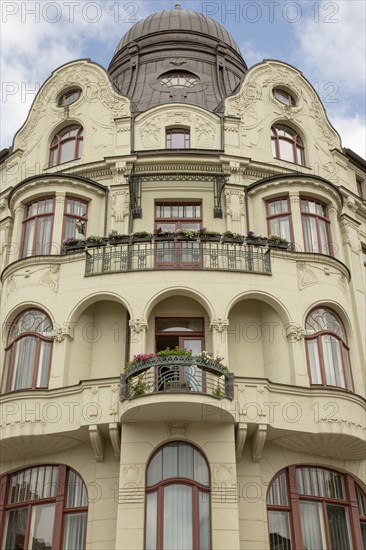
x=31, y=261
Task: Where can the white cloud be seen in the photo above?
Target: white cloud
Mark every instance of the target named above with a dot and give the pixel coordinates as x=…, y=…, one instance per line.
x=352, y=131
x=333, y=47
x=32, y=46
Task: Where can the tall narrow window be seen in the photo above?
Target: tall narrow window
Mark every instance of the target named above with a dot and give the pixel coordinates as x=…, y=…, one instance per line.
x=316, y=227
x=177, y=499
x=324, y=519
x=66, y=145
x=45, y=508
x=287, y=144
x=327, y=350
x=279, y=218
x=75, y=218
x=28, y=352
x=178, y=138
x=37, y=228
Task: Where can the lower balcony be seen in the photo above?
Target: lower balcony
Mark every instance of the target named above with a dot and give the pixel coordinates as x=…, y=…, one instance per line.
x=177, y=254
x=177, y=374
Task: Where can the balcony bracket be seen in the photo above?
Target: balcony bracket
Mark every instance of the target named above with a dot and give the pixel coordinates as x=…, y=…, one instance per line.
x=259, y=439
x=115, y=437
x=135, y=194
x=97, y=442
x=240, y=437
x=219, y=183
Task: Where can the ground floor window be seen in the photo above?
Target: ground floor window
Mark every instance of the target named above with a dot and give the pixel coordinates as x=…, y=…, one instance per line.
x=43, y=508
x=312, y=508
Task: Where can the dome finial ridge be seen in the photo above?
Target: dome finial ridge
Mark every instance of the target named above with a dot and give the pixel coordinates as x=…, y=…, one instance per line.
x=177, y=7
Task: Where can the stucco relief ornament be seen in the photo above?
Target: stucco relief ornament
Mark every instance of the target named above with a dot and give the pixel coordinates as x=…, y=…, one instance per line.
x=149, y=133
x=219, y=325
x=51, y=278
x=59, y=334
x=205, y=132
x=294, y=332
x=137, y=325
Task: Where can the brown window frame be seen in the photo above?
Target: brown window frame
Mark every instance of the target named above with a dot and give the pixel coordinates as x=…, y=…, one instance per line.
x=12, y=343
x=343, y=349
x=178, y=248
x=170, y=132
x=28, y=219
x=196, y=488
x=360, y=187
x=298, y=148
x=295, y=497
x=323, y=248
x=60, y=499
x=287, y=214
x=58, y=141
x=67, y=216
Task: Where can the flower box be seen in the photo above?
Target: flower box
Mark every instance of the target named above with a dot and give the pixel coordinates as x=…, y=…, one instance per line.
x=277, y=244
x=211, y=238
x=255, y=241
x=74, y=248
x=119, y=240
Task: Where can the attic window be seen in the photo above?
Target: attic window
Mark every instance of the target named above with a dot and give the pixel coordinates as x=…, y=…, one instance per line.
x=178, y=79
x=284, y=97
x=69, y=97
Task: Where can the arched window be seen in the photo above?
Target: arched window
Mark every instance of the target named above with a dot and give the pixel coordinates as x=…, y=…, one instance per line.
x=327, y=350
x=287, y=144
x=66, y=145
x=177, y=499
x=315, y=508
x=28, y=352
x=44, y=507
x=178, y=138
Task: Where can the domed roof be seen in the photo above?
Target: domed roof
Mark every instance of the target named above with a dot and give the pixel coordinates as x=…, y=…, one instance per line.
x=177, y=56
x=178, y=19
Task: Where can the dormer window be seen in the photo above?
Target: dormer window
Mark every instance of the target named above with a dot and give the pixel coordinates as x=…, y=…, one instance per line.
x=66, y=145
x=178, y=79
x=178, y=138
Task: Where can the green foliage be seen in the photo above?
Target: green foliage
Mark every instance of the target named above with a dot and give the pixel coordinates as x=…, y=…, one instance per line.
x=176, y=351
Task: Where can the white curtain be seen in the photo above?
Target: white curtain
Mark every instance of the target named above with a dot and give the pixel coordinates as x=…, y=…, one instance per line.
x=178, y=518
x=74, y=531
x=311, y=525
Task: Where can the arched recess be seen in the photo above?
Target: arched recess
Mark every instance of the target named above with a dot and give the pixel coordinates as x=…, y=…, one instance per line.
x=97, y=324
x=179, y=317
x=257, y=342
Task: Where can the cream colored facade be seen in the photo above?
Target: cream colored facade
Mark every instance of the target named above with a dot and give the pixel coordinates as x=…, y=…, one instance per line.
x=255, y=320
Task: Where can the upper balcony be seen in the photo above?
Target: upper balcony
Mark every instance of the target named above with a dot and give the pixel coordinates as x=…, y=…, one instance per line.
x=177, y=252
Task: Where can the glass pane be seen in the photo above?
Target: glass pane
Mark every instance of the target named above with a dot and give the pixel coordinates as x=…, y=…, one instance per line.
x=151, y=520
x=325, y=247
x=155, y=469
x=179, y=325
x=200, y=468
x=185, y=461
x=67, y=151
x=6, y=380
x=286, y=150
x=332, y=361
x=28, y=238
x=44, y=364
x=338, y=527
x=15, y=529
x=310, y=235
x=284, y=231
x=178, y=529
x=312, y=525
x=170, y=460
x=74, y=531
x=279, y=531
x=204, y=520
x=41, y=530
x=24, y=363
x=314, y=362
x=277, y=493
x=363, y=535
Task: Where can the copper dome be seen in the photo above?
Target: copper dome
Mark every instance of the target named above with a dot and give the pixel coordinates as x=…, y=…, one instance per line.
x=177, y=46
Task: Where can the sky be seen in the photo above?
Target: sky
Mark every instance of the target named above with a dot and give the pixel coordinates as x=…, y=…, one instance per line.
x=325, y=40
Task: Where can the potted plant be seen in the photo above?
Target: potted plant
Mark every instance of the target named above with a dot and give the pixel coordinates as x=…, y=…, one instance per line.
x=73, y=244
x=116, y=238
x=275, y=241
x=187, y=234
x=140, y=387
x=255, y=240
x=230, y=237
x=141, y=236
x=176, y=351
x=95, y=241
x=164, y=234
x=141, y=358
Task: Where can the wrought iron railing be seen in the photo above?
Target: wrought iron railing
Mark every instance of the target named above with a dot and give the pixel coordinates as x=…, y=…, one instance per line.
x=177, y=374
x=177, y=254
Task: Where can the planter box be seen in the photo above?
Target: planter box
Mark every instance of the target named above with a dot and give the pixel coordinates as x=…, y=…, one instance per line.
x=276, y=244
x=92, y=244
x=123, y=240
x=233, y=241
x=211, y=238
x=141, y=239
x=255, y=242
x=73, y=248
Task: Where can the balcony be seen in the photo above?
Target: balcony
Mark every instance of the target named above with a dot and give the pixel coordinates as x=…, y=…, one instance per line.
x=175, y=254
x=177, y=374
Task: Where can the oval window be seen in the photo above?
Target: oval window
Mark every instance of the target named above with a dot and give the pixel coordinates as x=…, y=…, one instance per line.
x=284, y=97
x=69, y=97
